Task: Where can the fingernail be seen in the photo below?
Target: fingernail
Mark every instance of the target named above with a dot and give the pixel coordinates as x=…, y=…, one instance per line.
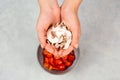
x=76, y=46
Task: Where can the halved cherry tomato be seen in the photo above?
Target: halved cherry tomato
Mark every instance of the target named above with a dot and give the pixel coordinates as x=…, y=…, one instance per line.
x=46, y=60
x=72, y=52
x=49, y=55
x=61, y=67
x=46, y=65
x=51, y=60
x=71, y=58
x=51, y=63
x=45, y=52
x=68, y=63
x=65, y=57
x=58, y=61
x=55, y=68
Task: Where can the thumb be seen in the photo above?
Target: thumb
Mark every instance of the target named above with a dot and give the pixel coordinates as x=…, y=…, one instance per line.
x=75, y=37
x=67, y=51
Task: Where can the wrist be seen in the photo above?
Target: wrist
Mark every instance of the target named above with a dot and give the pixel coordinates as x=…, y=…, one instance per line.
x=48, y=4
x=70, y=5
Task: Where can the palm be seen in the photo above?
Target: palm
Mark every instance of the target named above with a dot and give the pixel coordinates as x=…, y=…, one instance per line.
x=47, y=18
x=73, y=24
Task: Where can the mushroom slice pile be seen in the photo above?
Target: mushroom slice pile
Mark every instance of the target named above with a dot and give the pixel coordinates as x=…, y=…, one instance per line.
x=59, y=36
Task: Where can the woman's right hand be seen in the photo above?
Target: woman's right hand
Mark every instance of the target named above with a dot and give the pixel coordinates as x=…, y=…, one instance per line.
x=49, y=14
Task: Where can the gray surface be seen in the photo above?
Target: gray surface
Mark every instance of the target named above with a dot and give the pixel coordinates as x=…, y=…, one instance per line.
x=100, y=42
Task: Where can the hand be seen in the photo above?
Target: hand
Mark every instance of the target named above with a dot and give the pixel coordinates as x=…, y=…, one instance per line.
x=70, y=17
x=50, y=14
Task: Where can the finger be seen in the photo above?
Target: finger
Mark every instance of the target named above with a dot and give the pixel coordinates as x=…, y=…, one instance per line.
x=49, y=48
x=75, y=33
x=75, y=38
x=56, y=55
x=42, y=39
x=60, y=52
x=67, y=51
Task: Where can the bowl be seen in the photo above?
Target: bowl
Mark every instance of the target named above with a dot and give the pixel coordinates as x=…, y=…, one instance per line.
x=41, y=60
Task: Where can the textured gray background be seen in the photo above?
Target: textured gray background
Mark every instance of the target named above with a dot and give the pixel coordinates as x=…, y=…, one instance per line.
x=100, y=42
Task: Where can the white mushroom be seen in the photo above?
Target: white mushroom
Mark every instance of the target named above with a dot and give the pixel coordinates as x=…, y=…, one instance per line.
x=59, y=36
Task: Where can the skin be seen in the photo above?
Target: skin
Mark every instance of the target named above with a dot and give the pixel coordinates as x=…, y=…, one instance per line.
x=53, y=14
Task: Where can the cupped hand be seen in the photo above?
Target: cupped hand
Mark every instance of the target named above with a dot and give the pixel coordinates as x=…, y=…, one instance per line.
x=70, y=18
x=49, y=14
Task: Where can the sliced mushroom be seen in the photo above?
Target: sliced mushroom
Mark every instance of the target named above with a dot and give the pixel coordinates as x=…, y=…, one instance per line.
x=59, y=35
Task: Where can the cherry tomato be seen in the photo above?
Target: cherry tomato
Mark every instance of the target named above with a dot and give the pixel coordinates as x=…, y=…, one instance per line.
x=68, y=64
x=50, y=67
x=65, y=57
x=58, y=61
x=44, y=52
x=46, y=60
x=71, y=58
x=49, y=55
x=55, y=68
x=51, y=60
x=61, y=67
x=46, y=65
x=72, y=52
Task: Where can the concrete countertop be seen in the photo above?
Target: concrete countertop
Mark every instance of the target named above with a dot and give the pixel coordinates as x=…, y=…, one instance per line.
x=99, y=44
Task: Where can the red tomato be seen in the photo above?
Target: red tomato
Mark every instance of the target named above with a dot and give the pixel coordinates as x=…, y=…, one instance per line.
x=50, y=67
x=51, y=61
x=49, y=55
x=72, y=52
x=45, y=52
x=61, y=67
x=68, y=63
x=46, y=60
x=55, y=68
x=65, y=57
x=58, y=61
x=71, y=58
x=46, y=65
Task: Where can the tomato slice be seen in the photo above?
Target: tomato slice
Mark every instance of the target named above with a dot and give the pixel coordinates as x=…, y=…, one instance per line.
x=58, y=61
x=68, y=63
x=71, y=58
x=61, y=67
x=46, y=60
x=46, y=65
x=60, y=64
